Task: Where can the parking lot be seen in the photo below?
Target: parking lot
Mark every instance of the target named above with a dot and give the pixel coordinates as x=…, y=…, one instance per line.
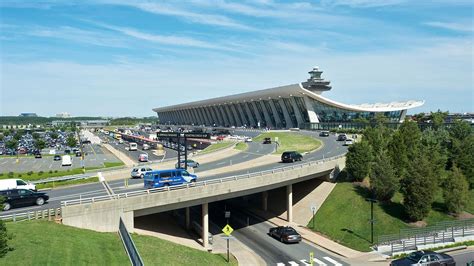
x=95, y=156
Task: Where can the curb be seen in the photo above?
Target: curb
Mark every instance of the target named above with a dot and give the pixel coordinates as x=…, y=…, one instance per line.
x=451, y=249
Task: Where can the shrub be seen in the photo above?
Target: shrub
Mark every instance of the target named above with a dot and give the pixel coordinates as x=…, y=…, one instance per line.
x=50, y=171
x=30, y=173
x=10, y=174
x=40, y=173
x=55, y=171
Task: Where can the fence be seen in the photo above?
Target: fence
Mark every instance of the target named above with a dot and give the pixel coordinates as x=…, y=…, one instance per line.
x=32, y=215
x=195, y=184
x=130, y=247
x=442, y=232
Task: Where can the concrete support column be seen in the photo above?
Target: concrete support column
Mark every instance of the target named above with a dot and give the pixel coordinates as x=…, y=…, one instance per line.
x=197, y=118
x=265, y=200
x=238, y=121
x=298, y=115
x=276, y=115
x=205, y=225
x=257, y=114
x=210, y=114
x=266, y=114
x=224, y=115
x=217, y=114
x=207, y=121
x=232, y=121
x=289, y=203
x=252, y=121
x=187, y=218
x=243, y=115
x=313, y=117
x=189, y=116
x=286, y=114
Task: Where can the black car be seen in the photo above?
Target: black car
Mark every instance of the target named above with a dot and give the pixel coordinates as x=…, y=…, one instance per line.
x=78, y=154
x=67, y=151
x=424, y=258
x=38, y=155
x=324, y=134
x=285, y=234
x=22, y=197
x=267, y=141
x=291, y=156
x=342, y=137
x=57, y=157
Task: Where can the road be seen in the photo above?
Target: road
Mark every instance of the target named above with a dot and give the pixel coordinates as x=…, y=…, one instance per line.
x=255, y=236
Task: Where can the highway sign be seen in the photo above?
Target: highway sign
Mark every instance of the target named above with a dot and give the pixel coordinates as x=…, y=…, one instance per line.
x=197, y=135
x=166, y=134
x=227, y=230
x=227, y=214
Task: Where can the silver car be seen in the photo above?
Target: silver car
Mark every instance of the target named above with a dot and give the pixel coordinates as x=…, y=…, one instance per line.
x=425, y=258
x=140, y=172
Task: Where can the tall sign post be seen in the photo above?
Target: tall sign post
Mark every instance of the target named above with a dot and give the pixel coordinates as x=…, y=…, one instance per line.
x=372, y=220
x=227, y=230
x=178, y=136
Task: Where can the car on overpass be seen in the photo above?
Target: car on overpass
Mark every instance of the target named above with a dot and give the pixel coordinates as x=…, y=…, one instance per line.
x=140, y=172
x=191, y=163
x=291, y=156
x=286, y=234
x=22, y=197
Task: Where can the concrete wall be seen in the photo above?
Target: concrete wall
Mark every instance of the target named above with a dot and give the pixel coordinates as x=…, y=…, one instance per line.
x=103, y=216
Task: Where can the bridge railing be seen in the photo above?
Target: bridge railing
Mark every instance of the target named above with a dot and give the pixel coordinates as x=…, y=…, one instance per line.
x=197, y=184
x=32, y=215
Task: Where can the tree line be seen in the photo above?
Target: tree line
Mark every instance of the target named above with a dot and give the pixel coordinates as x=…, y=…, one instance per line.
x=418, y=163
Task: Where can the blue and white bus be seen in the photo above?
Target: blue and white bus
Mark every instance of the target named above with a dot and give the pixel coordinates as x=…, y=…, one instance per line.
x=164, y=178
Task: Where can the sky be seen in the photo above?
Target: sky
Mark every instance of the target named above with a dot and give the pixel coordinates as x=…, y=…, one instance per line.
x=125, y=57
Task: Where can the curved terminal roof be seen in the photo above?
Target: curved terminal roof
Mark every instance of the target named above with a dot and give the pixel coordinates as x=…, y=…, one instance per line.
x=288, y=91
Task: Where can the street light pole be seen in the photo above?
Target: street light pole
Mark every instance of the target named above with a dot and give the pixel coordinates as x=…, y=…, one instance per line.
x=372, y=220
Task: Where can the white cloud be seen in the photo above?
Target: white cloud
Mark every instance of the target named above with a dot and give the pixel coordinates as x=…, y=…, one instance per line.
x=454, y=26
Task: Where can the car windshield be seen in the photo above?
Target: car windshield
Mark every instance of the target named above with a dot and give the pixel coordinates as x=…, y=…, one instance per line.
x=135, y=170
x=289, y=231
x=415, y=256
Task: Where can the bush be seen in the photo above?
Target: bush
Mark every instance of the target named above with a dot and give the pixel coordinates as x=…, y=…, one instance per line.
x=50, y=171
x=358, y=160
x=55, y=171
x=40, y=173
x=19, y=175
x=455, y=191
x=10, y=174
x=30, y=173
x=1, y=174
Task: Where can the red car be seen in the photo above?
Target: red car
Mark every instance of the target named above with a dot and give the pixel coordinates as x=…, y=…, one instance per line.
x=220, y=137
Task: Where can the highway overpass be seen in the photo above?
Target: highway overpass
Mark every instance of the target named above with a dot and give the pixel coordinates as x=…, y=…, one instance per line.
x=102, y=213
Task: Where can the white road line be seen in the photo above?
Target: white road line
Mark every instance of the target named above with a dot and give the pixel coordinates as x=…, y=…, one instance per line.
x=305, y=263
x=220, y=163
x=332, y=261
x=320, y=263
x=292, y=263
x=281, y=264
x=245, y=156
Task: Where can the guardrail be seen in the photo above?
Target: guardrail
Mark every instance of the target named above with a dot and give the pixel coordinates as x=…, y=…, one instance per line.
x=130, y=247
x=32, y=215
x=195, y=184
x=410, y=239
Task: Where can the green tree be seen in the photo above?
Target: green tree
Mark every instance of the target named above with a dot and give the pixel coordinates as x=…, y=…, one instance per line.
x=404, y=147
x=3, y=235
x=461, y=149
x=40, y=144
x=358, y=160
x=437, y=119
x=455, y=191
x=71, y=141
x=54, y=135
x=436, y=142
x=383, y=181
x=378, y=137
x=12, y=144
x=35, y=135
x=1, y=137
x=17, y=135
x=418, y=188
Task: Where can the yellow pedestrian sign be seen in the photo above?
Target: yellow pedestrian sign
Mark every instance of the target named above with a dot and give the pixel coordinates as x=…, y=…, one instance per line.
x=227, y=230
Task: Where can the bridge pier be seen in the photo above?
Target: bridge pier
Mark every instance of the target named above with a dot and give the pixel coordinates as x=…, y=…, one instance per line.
x=205, y=225
x=289, y=203
x=187, y=218
x=265, y=200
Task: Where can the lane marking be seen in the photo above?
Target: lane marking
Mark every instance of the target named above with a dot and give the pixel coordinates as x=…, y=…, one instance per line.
x=320, y=263
x=281, y=264
x=292, y=263
x=305, y=263
x=332, y=261
x=221, y=163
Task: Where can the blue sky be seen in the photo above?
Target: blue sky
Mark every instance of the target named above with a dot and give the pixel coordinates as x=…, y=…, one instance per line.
x=123, y=58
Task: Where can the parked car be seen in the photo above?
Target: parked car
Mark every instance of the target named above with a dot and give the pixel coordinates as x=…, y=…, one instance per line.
x=57, y=157
x=22, y=197
x=78, y=154
x=348, y=142
x=424, y=258
x=38, y=155
x=342, y=137
x=140, y=172
x=66, y=160
x=220, y=137
x=285, y=234
x=191, y=163
x=14, y=183
x=248, y=139
x=267, y=141
x=291, y=156
x=324, y=134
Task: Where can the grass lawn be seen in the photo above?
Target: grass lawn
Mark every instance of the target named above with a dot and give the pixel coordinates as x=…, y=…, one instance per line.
x=241, y=146
x=113, y=164
x=67, y=183
x=291, y=141
x=48, y=243
x=155, y=251
x=344, y=216
x=217, y=146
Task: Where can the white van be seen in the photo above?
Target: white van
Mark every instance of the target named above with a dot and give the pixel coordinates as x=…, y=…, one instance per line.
x=6, y=184
x=66, y=160
x=132, y=146
x=146, y=147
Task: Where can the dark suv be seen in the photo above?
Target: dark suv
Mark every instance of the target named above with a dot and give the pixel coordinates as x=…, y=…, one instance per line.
x=267, y=141
x=291, y=156
x=22, y=197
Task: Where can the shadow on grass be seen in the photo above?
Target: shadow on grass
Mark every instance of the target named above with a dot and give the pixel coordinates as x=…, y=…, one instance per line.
x=355, y=234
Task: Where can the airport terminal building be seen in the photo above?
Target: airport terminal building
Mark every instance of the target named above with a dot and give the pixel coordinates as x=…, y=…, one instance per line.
x=293, y=106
